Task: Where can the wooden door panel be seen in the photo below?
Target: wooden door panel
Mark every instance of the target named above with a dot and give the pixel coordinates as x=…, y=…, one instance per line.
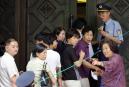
x=7, y=19
x=45, y=15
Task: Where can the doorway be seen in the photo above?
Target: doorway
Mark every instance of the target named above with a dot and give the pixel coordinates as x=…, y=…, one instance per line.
x=81, y=8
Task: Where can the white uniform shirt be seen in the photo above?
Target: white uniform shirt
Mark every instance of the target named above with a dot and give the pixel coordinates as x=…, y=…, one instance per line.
x=114, y=29
x=53, y=60
x=7, y=70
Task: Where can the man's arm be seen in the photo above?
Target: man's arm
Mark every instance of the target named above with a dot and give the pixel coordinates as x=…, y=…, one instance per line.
x=53, y=80
x=108, y=36
x=79, y=62
x=13, y=81
x=59, y=76
x=90, y=66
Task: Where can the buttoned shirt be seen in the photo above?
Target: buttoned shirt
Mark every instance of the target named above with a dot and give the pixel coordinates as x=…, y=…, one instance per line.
x=82, y=45
x=113, y=28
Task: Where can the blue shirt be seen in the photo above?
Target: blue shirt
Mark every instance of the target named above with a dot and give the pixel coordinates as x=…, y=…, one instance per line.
x=114, y=29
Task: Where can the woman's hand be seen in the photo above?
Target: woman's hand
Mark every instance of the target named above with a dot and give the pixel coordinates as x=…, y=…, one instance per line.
x=95, y=62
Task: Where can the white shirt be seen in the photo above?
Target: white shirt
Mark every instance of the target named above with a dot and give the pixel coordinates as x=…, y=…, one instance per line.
x=53, y=60
x=31, y=56
x=36, y=65
x=91, y=52
x=7, y=70
x=80, y=34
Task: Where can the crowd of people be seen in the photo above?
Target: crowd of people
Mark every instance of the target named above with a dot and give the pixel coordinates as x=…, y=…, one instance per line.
x=68, y=58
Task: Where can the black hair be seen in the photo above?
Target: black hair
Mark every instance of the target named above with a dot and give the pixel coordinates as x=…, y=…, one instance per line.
x=52, y=38
x=46, y=38
x=58, y=30
x=38, y=37
x=43, y=37
x=86, y=29
x=2, y=48
x=38, y=49
x=79, y=23
x=72, y=32
x=113, y=46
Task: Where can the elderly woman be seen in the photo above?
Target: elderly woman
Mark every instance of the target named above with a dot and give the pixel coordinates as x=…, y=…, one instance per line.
x=114, y=73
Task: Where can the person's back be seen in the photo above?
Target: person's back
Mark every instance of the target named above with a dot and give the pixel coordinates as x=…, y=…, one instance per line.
x=53, y=60
x=67, y=60
x=70, y=62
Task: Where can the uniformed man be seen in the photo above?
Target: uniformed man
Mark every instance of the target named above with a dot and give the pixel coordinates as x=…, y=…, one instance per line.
x=111, y=29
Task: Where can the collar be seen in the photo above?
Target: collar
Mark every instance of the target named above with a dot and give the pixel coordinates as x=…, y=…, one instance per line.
x=108, y=21
x=90, y=43
x=9, y=56
x=69, y=45
x=39, y=59
x=84, y=41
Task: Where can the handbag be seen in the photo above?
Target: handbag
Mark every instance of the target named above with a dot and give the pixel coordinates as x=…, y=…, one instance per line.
x=45, y=80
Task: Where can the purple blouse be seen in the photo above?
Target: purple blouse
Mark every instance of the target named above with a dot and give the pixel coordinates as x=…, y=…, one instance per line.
x=114, y=74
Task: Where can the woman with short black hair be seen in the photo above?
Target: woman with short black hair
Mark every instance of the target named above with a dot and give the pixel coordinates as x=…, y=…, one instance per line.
x=38, y=65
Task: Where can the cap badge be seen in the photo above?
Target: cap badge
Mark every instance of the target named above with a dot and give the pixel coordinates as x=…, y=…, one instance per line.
x=100, y=6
